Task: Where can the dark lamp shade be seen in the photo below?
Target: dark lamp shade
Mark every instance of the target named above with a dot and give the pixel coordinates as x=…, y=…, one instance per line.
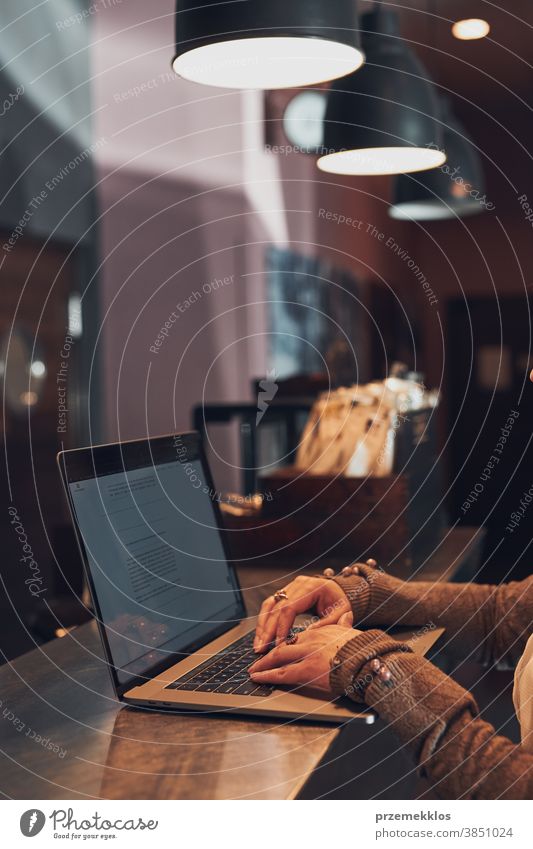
x=383, y=120
x=456, y=189
x=266, y=44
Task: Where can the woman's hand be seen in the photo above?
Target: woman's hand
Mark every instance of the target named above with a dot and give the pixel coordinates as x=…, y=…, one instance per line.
x=276, y=618
x=307, y=662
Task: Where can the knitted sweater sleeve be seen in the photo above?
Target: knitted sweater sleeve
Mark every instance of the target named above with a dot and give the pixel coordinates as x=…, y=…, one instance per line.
x=489, y=624
x=435, y=719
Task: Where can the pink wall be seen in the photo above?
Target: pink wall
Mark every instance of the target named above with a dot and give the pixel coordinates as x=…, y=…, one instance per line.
x=176, y=217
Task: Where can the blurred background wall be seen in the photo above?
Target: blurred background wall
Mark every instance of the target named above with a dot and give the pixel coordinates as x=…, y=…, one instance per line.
x=143, y=195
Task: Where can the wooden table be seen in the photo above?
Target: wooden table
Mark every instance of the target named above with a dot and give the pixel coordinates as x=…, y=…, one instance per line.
x=63, y=735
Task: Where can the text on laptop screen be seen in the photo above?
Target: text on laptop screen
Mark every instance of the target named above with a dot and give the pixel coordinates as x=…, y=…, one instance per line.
x=156, y=560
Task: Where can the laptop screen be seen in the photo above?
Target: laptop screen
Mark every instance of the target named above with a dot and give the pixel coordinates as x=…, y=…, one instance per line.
x=158, y=568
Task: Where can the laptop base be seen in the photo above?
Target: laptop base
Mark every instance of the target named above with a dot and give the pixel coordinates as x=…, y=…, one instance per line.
x=280, y=704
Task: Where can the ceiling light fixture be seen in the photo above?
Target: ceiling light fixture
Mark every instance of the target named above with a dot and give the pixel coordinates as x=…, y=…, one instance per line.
x=470, y=29
x=266, y=44
x=383, y=120
x=456, y=189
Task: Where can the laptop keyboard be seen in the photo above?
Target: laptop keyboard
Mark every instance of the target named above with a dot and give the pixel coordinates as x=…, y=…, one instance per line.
x=226, y=672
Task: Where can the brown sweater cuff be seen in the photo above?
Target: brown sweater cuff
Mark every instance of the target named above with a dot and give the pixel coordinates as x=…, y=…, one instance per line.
x=420, y=703
x=357, y=589
x=368, y=591
x=350, y=673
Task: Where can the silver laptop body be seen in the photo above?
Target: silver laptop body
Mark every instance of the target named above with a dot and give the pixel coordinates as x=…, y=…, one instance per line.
x=165, y=594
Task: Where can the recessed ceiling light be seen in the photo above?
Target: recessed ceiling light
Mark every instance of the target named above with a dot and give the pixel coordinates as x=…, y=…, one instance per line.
x=470, y=29
x=38, y=368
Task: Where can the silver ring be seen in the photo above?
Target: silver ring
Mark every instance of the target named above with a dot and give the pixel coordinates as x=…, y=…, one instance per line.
x=279, y=595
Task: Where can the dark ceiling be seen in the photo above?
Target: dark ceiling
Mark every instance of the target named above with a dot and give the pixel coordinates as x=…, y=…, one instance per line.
x=494, y=71
x=489, y=82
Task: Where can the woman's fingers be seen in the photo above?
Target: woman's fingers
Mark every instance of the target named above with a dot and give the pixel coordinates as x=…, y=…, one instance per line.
x=264, y=613
x=278, y=657
x=342, y=608
x=294, y=673
x=301, y=595
x=285, y=622
x=268, y=631
x=306, y=662
x=346, y=620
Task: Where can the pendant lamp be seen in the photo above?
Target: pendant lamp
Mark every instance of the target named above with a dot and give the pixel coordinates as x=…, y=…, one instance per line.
x=455, y=189
x=266, y=44
x=382, y=120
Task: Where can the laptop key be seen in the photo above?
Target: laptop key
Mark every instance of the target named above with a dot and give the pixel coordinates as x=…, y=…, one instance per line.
x=227, y=688
x=247, y=688
x=226, y=672
x=263, y=690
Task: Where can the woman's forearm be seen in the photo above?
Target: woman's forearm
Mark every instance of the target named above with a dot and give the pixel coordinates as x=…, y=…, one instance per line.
x=434, y=718
x=491, y=623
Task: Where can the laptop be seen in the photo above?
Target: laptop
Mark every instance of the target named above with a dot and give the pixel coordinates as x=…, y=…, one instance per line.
x=165, y=594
